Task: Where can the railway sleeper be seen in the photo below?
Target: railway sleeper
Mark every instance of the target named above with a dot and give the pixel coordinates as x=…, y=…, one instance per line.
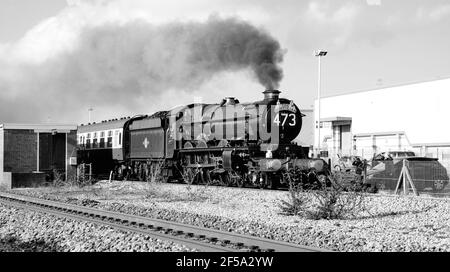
x=254, y=248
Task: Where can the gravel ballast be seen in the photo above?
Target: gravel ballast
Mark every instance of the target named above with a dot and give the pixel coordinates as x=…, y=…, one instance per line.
x=22, y=230
x=388, y=224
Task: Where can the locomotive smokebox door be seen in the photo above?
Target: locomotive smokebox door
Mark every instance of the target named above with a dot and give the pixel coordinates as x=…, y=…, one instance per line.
x=226, y=158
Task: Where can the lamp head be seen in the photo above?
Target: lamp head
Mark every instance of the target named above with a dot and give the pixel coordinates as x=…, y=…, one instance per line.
x=320, y=53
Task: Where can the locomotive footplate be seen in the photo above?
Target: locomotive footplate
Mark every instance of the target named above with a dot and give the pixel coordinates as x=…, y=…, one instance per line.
x=274, y=165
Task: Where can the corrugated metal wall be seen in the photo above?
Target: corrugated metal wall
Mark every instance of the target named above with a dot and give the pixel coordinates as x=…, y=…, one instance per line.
x=20, y=147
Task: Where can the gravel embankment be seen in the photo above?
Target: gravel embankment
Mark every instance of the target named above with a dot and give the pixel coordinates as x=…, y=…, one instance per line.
x=22, y=230
x=388, y=224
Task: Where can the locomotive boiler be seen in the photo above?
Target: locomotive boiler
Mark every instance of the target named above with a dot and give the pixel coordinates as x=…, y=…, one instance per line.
x=229, y=143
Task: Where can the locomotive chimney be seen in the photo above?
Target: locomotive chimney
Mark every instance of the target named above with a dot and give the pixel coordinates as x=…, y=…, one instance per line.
x=271, y=94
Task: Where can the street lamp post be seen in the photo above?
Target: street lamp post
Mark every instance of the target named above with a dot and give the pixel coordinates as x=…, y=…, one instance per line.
x=89, y=111
x=319, y=54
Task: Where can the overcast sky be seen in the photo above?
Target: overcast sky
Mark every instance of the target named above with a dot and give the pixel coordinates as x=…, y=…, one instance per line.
x=371, y=44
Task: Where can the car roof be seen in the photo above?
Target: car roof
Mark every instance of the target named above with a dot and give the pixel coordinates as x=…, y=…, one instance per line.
x=395, y=152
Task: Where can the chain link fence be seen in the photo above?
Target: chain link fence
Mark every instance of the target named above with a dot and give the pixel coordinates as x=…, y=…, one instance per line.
x=429, y=172
x=429, y=177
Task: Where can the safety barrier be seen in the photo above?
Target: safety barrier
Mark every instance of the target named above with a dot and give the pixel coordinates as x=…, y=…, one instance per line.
x=421, y=176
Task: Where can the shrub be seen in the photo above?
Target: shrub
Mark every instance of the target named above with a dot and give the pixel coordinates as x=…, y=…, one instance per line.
x=334, y=201
x=153, y=178
x=296, y=203
x=195, y=193
x=58, y=178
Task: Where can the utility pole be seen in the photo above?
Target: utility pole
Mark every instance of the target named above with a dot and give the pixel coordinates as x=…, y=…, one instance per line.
x=89, y=112
x=319, y=54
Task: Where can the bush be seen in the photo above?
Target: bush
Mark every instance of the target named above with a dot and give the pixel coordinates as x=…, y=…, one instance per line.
x=195, y=193
x=153, y=178
x=335, y=201
x=296, y=203
x=58, y=178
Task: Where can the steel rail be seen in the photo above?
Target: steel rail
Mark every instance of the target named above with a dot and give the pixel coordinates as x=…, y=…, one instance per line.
x=253, y=243
x=93, y=218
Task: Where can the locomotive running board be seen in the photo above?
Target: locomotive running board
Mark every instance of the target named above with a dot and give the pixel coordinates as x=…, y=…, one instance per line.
x=217, y=149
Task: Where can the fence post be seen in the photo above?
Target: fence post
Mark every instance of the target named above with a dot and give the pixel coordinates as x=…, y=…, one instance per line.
x=405, y=178
x=365, y=171
x=78, y=173
x=411, y=182
x=405, y=181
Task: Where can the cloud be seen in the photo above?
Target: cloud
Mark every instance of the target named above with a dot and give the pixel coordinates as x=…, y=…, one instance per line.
x=373, y=2
x=76, y=59
x=339, y=24
x=49, y=58
x=436, y=13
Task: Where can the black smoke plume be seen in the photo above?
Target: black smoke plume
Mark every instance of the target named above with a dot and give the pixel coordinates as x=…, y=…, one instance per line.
x=116, y=64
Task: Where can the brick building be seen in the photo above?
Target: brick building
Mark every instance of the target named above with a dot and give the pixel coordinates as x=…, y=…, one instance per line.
x=30, y=152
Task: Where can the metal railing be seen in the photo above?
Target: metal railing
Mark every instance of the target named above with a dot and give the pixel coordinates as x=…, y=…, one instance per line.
x=429, y=177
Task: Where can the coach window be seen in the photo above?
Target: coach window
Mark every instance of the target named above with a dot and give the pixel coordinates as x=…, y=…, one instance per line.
x=88, y=141
x=109, y=142
x=102, y=139
x=116, y=136
x=95, y=141
x=120, y=138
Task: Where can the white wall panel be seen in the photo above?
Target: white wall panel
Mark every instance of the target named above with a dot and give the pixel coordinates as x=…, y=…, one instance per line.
x=420, y=110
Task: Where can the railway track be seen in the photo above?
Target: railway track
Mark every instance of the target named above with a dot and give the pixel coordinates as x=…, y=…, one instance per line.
x=202, y=239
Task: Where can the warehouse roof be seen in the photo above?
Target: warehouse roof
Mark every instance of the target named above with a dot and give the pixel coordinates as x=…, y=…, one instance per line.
x=61, y=128
x=335, y=119
x=105, y=125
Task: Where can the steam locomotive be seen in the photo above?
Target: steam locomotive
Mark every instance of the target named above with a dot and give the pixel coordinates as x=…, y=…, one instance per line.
x=229, y=143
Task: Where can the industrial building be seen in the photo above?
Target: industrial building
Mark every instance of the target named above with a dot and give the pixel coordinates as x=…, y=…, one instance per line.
x=407, y=117
x=306, y=136
x=29, y=153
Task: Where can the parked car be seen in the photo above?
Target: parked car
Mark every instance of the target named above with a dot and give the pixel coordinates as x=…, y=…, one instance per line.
x=390, y=155
x=394, y=155
x=427, y=173
x=346, y=163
